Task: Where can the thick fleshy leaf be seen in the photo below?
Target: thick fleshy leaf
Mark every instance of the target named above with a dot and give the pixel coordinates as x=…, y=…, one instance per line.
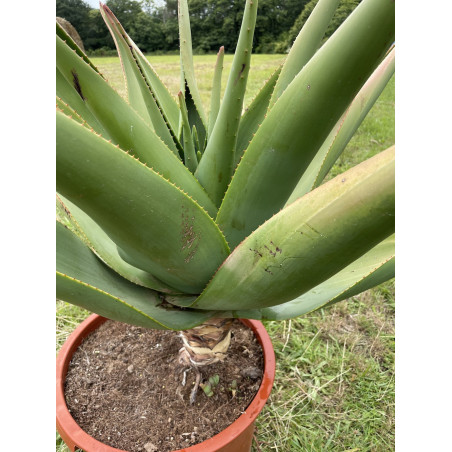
x=165, y=100
x=68, y=94
x=216, y=91
x=254, y=115
x=193, y=101
x=99, y=242
x=302, y=118
x=309, y=241
x=68, y=111
x=375, y=267
x=82, y=279
x=190, y=159
x=157, y=227
x=371, y=269
x=139, y=91
x=126, y=127
x=306, y=44
x=215, y=168
x=344, y=129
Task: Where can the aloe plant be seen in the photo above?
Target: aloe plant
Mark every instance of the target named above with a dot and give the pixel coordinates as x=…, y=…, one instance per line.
x=172, y=218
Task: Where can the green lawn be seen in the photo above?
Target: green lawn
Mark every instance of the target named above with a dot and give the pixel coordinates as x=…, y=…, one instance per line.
x=334, y=388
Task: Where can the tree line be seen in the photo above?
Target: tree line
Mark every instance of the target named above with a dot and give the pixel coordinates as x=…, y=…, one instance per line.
x=215, y=23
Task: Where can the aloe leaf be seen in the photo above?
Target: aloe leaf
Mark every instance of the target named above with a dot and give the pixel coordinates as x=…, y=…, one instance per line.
x=125, y=126
x=164, y=99
x=193, y=101
x=301, y=119
x=305, y=45
x=254, y=116
x=216, y=91
x=68, y=111
x=191, y=161
x=60, y=31
x=215, y=168
x=344, y=129
x=156, y=226
x=309, y=241
x=99, y=242
x=139, y=91
x=194, y=134
x=67, y=93
x=373, y=268
x=370, y=270
x=82, y=279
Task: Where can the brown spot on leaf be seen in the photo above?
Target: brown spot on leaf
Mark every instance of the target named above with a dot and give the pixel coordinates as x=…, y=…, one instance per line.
x=76, y=82
x=240, y=73
x=189, y=238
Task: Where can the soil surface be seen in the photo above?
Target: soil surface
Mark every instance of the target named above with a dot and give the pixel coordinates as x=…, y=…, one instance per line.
x=124, y=388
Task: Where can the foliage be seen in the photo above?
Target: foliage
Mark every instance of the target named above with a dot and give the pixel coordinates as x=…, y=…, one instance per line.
x=343, y=11
x=154, y=26
x=186, y=225
x=77, y=12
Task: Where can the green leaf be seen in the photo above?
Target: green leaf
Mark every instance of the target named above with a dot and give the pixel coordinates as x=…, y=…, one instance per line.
x=157, y=227
x=302, y=118
x=139, y=91
x=67, y=93
x=194, y=134
x=165, y=100
x=216, y=91
x=126, y=127
x=253, y=116
x=190, y=159
x=373, y=268
x=215, y=168
x=192, y=98
x=82, y=279
x=306, y=44
x=99, y=242
x=309, y=241
x=344, y=129
x=68, y=111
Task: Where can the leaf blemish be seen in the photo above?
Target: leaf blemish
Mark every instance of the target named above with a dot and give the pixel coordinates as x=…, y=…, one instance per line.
x=189, y=238
x=76, y=82
x=277, y=249
x=273, y=253
x=240, y=73
x=256, y=252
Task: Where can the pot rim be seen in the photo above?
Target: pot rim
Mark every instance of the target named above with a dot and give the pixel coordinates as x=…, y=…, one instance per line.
x=73, y=435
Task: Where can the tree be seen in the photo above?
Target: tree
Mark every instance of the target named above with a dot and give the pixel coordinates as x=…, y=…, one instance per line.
x=342, y=12
x=125, y=11
x=97, y=35
x=76, y=12
x=147, y=32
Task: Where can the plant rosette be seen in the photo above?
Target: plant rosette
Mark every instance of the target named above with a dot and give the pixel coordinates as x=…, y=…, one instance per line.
x=237, y=437
x=169, y=218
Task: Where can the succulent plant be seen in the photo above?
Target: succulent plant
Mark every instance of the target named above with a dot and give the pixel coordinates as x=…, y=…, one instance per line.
x=173, y=219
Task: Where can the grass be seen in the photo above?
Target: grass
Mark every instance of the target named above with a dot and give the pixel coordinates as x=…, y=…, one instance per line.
x=334, y=387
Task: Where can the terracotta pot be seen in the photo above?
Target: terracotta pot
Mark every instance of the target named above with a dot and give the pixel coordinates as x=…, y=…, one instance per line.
x=235, y=438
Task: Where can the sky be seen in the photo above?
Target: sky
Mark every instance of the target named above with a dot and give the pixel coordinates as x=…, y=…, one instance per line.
x=95, y=3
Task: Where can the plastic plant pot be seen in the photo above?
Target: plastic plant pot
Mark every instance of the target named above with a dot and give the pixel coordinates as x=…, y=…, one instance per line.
x=237, y=437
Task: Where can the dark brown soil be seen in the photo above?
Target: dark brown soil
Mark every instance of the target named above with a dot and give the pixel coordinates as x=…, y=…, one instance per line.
x=124, y=388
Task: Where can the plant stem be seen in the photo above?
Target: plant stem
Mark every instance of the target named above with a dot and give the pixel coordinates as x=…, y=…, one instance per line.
x=207, y=343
